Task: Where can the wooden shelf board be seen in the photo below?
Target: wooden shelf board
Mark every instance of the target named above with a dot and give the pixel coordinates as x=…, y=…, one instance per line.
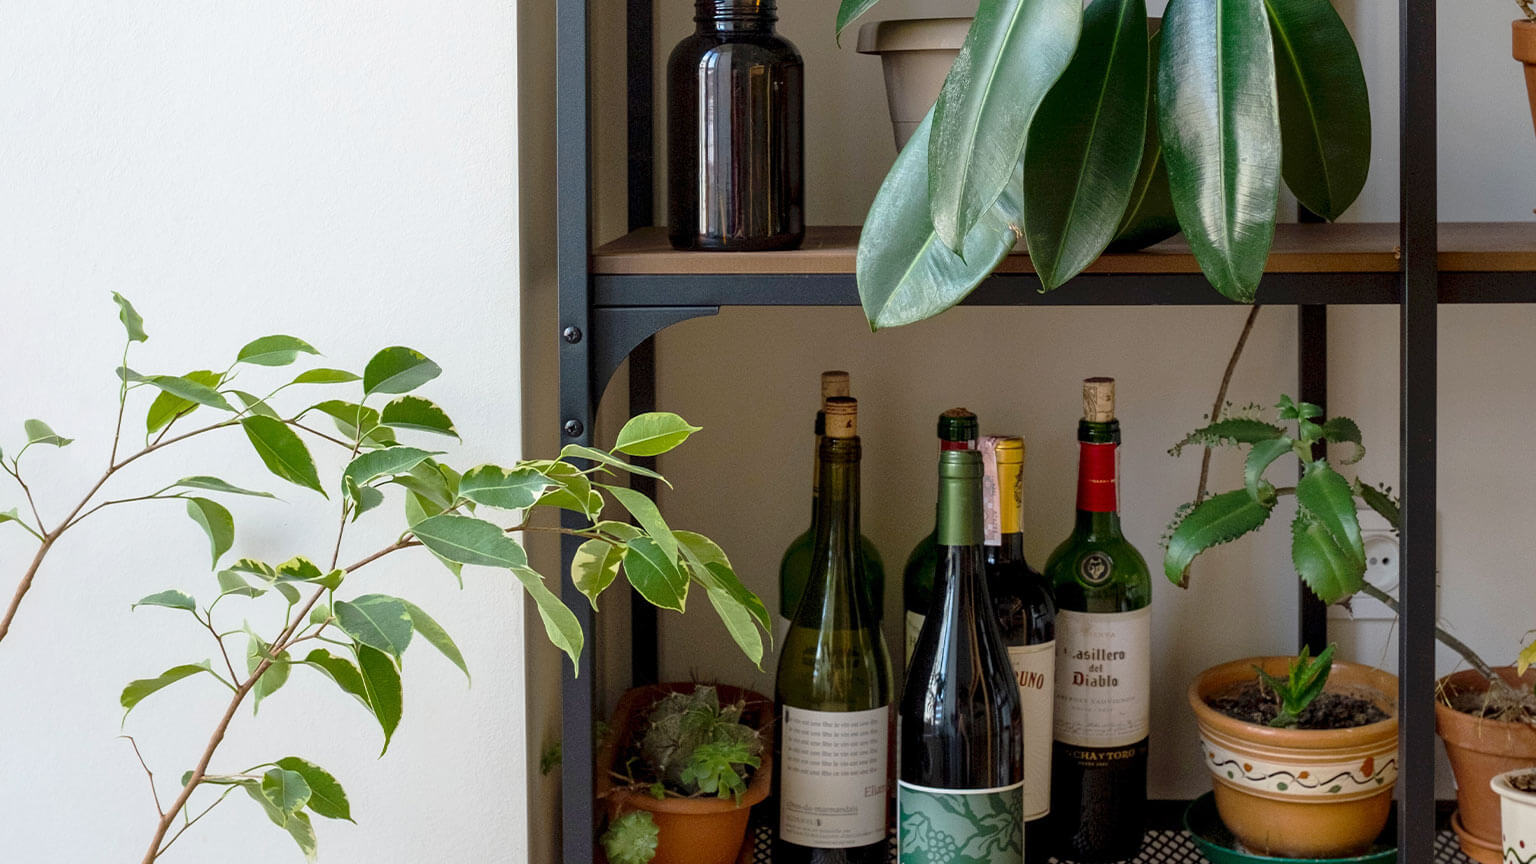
x=1358, y=247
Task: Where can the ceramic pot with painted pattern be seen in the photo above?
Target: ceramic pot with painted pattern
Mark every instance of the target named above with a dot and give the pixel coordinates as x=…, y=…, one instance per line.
x=1300, y=793
x=1517, y=806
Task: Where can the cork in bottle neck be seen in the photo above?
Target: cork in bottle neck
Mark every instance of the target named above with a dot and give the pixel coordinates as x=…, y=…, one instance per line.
x=842, y=417
x=834, y=383
x=1099, y=400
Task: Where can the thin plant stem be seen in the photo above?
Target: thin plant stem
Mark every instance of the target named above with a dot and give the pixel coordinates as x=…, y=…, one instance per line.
x=153, y=793
x=193, y=821
x=1221, y=397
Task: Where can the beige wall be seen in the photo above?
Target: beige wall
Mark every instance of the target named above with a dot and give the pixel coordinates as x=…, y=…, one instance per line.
x=748, y=377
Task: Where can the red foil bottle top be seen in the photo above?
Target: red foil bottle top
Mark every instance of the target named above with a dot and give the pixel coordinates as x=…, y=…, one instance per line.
x=1097, y=486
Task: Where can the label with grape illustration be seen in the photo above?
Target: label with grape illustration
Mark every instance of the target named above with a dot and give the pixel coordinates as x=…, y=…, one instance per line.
x=959, y=826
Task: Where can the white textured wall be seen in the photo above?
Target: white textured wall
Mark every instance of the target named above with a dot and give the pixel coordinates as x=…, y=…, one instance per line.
x=748, y=377
x=345, y=172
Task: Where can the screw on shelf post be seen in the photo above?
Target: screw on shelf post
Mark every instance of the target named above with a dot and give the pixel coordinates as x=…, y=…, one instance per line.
x=571, y=334
x=573, y=428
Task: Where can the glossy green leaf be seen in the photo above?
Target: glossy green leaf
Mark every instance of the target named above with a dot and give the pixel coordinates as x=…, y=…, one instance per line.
x=1149, y=216
x=1014, y=52
x=274, y=351
x=1214, y=521
x=1526, y=659
x=572, y=492
x=326, y=797
x=429, y=482
x=470, y=541
x=1221, y=136
x=652, y=434
x=168, y=406
x=494, y=486
x=739, y=623
x=1234, y=430
x=577, y=451
x=376, y=620
x=303, y=833
x=704, y=553
x=1342, y=430
x=341, y=671
x=398, y=370
x=254, y=404
x=560, y=623
x=435, y=635
x=1331, y=501
x=282, y=451
x=132, y=321
x=231, y=582
x=364, y=498
x=273, y=678
x=1322, y=563
x=325, y=376
x=184, y=387
x=14, y=515
x=384, y=462
x=1085, y=143
x=594, y=567
x=298, y=569
x=648, y=515
x=1325, y=111
x=256, y=568
x=285, y=790
x=849, y=11
x=353, y=419
x=290, y=593
x=214, y=484
x=417, y=510
x=39, y=432
x=215, y=522
x=170, y=599
x=1380, y=501
x=1263, y=454
x=422, y=415
x=381, y=683
x=905, y=272
x=135, y=692
x=655, y=574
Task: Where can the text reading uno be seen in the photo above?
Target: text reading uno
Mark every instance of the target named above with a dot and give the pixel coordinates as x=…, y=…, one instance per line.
x=1096, y=568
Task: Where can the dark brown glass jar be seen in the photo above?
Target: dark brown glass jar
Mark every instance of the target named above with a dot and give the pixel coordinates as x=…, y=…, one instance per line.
x=735, y=132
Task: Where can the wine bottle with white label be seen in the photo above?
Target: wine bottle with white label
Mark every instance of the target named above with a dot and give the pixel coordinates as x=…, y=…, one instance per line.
x=957, y=431
x=1103, y=657
x=960, y=796
x=795, y=566
x=834, y=684
x=1026, y=616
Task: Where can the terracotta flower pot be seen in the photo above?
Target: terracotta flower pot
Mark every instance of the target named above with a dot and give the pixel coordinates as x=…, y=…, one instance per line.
x=1525, y=52
x=691, y=830
x=1300, y=793
x=916, y=55
x=1479, y=749
x=1519, y=816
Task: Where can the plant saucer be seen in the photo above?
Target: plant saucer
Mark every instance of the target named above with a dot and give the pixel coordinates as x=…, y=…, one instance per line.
x=1220, y=847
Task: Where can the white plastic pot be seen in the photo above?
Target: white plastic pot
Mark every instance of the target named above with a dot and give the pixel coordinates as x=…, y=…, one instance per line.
x=916, y=55
x=1517, y=810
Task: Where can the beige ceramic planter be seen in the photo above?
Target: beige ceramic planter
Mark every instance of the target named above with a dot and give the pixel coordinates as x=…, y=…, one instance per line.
x=916, y=55
x=1525, y=52
x=1519, y=816
x=691, y=830
x=1479, y=750
x=1300, y=793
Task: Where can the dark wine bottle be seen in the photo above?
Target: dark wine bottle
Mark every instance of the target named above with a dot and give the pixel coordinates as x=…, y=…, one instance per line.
x=961, y=786
x=957, y=431
x=735, y=132
x=795, y=566
x=834, y=684
x=1026, y=616
x=1103, y=657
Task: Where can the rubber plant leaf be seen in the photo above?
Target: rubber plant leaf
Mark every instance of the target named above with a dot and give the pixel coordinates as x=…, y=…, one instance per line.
x=849, y=11
x=1149, y=216
x=1325, y=111
x=1014, y=52
x=1085, y=145
x=905, y=272
x=1220, y=125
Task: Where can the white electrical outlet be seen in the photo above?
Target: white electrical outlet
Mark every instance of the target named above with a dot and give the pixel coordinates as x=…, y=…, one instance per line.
x=1381, y=569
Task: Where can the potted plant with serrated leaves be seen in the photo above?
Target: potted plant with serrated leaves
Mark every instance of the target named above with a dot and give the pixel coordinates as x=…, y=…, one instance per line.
x=680, y=771
x=314, y=612
x=1486, y=715
x=1069, y=128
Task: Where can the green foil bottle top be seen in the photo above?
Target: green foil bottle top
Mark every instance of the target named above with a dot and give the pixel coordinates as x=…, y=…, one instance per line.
x=960, y=521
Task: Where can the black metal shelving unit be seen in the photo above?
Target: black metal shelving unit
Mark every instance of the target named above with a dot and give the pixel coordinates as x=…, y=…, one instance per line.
x=608, y=317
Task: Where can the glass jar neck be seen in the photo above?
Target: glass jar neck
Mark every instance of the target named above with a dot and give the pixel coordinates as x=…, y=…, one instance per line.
x=735, y=16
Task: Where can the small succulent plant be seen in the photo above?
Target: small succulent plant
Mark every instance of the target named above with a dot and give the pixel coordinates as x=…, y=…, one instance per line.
x=695, y=746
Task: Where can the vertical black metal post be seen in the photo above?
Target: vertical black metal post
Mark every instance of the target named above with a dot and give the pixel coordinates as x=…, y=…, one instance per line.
x=643, y=659
x=578, y=688
x=1312, y=378
x=1419, y=345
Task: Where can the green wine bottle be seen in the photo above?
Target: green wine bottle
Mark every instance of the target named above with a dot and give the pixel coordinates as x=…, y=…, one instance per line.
x=834, y=687
x=961, y=792
x=1103, y=657
x=1026, y=615
x=795, y=566
x=957, y=431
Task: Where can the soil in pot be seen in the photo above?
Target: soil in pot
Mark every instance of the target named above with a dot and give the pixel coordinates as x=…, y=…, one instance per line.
x=1254, y=703
x=1524, y=782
